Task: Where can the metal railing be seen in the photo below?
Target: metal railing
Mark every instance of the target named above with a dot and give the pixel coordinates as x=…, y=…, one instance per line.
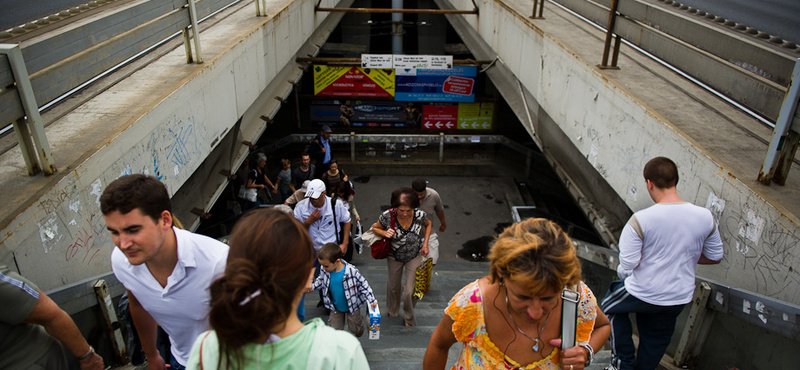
x=752, y=74
x=60, y=61
x=764, y=312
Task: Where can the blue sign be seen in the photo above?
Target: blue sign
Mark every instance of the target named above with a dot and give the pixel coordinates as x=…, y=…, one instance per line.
x=436, y=85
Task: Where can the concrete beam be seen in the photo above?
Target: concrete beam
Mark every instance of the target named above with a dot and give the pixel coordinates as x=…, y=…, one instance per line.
x=760, y=87
x=164, y=120
x=617, y=132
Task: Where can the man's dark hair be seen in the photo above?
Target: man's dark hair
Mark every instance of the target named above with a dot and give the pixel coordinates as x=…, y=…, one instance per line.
x=130, y=192
x=404, y=197
x=303, y=154
x=662, y=172
x=419, y=185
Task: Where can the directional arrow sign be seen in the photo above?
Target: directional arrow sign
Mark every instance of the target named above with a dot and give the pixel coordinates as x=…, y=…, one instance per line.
x=428, y=124
x=475, y=125
x=450, y=125
x=486, y=125
x=438, y=125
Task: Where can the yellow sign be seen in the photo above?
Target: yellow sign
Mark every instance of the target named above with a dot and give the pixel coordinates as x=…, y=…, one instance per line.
x=353, y=81
x=475, y=116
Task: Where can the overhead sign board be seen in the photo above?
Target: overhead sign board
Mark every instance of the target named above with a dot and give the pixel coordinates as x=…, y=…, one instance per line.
x=365, y=113
x=353, y=81
x=422, y=62
x=439, y=117
x=475, y=116
x=399, y=61
x=436, y=85
x=376, y=61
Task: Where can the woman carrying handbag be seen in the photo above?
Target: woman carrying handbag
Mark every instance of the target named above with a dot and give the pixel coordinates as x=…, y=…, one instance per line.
x=409, y=242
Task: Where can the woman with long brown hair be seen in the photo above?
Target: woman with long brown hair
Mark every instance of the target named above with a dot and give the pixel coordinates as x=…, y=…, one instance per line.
x=254, y=305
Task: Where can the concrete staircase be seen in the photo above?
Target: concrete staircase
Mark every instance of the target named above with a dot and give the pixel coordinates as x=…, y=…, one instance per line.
x=401, y=347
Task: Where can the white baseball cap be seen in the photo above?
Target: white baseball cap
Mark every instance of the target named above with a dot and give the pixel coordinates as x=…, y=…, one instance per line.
x=315, y=189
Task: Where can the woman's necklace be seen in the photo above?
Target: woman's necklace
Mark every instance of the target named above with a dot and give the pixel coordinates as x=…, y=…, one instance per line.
x=535, y=341
x=405, y=230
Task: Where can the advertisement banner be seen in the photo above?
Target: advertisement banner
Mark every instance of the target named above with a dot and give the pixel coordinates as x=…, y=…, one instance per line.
x=359, y=113
x=436, y=85
x=475, y=116
x=422, y=61
x=353, y=81
x=440, y=117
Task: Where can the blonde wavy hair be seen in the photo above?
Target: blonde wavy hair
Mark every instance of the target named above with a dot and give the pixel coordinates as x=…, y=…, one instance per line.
x=537, y=253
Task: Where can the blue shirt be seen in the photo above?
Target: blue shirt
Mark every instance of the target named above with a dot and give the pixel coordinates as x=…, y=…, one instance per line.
x=337, y=291
x=327, y=145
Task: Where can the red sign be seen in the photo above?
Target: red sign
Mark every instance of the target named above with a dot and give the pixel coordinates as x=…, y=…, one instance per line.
x=458, y=85
x=439, y=117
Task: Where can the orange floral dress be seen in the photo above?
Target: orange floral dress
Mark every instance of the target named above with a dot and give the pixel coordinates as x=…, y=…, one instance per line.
x=469, y=327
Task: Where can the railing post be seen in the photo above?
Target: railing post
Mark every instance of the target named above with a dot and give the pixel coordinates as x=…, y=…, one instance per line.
x=612, y=20
x=261, y=8
x=26, y=146
x=33, y=127
x=784, y=143
x=110, y=316
x=540, y=5
x=352, y=147
x=694, y=331
x=187, y=45
x=195, y=32
x=441, y=147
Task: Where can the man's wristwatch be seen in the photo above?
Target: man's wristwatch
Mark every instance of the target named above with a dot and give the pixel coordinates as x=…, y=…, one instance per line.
x=88, y=354
x=591, y=354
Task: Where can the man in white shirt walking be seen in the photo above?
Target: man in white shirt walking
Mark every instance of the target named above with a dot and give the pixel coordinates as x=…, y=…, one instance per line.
x=323, y=221
x=166, y=270
x=658, y=250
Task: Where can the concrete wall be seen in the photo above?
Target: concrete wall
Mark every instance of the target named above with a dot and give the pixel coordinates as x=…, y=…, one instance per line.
x=61, y=238
x=618, y=133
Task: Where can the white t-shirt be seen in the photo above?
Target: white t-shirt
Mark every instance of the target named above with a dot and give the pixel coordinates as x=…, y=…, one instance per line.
x=663, y=261
x=324, y=230
x=181, y=307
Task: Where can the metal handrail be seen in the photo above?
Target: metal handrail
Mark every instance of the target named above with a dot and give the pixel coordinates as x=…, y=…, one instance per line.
x=769, y=313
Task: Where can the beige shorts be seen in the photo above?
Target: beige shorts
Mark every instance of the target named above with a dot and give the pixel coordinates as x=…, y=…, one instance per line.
x=433, y=247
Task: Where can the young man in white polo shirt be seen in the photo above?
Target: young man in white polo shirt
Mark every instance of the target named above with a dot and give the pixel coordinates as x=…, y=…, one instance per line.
x=166, y=270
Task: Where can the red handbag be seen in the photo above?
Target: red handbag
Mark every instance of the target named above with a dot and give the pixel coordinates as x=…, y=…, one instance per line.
x=381, y=248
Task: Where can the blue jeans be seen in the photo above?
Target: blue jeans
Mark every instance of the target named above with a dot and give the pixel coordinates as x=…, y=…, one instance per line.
x=174, y=365
x=656, y=325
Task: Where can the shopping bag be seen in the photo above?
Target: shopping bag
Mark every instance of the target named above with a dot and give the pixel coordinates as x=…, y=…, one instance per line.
x=248, y=194
x=422, y=278
x=355, y=236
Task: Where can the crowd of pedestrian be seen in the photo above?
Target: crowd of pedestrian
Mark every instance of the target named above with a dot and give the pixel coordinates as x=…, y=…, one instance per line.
x=241, y=304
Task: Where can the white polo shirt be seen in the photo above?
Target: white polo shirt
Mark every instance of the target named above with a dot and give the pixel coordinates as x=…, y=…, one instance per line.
x=181, y=307
x=324, y=230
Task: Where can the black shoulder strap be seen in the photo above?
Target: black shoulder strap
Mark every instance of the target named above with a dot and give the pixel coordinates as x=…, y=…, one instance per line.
x=335, y=221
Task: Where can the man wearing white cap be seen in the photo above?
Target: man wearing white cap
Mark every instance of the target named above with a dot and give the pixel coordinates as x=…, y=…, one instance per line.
x=317, y=215
x=322, y=221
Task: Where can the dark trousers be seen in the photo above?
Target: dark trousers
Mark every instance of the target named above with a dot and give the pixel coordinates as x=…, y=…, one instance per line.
x=656, y=325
